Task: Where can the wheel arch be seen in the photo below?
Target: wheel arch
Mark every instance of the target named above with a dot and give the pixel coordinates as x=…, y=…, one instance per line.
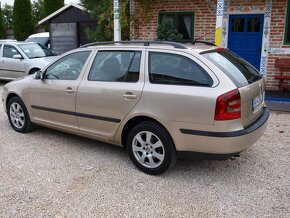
x=33, y=70
x=134, y=121
x=10, y=95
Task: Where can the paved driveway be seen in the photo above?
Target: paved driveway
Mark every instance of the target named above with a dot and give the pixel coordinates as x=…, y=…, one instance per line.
x=51, y=174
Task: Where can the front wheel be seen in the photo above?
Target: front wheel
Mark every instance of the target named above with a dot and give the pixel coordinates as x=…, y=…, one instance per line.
x=18, y=115
x=151, y=148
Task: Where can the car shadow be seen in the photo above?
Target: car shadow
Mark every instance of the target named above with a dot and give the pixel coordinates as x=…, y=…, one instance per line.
x=189, y=170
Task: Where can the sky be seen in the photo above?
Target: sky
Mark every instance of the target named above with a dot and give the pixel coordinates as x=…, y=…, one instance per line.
x=10, y=2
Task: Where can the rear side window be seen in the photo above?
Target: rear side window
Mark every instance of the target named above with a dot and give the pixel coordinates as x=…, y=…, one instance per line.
x=116, y=66
x=172, y=69
x=237, y=69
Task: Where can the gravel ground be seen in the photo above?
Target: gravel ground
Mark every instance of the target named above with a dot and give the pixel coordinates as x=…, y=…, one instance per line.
x=51, y=174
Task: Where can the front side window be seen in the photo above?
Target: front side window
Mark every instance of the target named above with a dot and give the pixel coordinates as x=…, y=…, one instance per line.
x=172, y=69
x=116, y=66
x=9, y=51
x=287, y=25
x=68, y=67
x=183, y=22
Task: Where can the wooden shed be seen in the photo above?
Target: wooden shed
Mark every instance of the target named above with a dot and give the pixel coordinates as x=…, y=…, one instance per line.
x=67, y=27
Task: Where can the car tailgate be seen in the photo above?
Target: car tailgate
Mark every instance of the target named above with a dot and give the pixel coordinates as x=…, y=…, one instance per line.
x=252, y=102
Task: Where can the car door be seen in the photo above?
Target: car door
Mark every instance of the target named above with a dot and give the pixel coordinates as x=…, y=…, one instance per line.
x=12, y=68
x=53, y=98
x=111, y=88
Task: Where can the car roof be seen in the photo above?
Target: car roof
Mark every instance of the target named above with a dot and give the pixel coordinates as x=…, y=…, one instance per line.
x=7, y=40
x=14, y=42
x=44, y=34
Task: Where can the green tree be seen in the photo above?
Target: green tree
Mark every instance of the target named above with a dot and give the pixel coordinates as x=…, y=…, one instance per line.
x=2, y=34
x=51, y=6
x=7, y=12
x=103, y=12
x=167, y=31
x=22, y=19
x=38, y=11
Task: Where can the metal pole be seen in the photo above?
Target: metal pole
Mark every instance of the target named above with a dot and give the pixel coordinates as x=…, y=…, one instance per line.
x=117, y=26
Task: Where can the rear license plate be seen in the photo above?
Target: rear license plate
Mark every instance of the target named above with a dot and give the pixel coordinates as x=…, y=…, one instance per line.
x=257, y=101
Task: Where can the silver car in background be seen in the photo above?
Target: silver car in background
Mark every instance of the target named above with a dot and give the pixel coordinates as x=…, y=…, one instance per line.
x=18, y=59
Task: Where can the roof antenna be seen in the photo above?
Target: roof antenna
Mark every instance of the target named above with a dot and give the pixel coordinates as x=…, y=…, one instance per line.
x=199, y=38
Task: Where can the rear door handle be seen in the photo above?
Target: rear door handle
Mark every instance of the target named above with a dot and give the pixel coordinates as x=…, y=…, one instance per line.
x=69, y=90
x=129, y=95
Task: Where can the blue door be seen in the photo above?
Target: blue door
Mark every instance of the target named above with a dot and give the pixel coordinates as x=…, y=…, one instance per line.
x=245, y=37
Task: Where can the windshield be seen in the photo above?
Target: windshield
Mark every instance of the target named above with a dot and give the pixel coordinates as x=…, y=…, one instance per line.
x=34, y=50
x=40, y=40
x=237, y=69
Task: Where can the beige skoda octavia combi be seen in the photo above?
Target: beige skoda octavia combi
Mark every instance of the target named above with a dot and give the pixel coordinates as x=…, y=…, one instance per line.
x=159, y=100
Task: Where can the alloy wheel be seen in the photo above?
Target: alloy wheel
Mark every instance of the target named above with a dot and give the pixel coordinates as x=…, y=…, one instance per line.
x=17, y=115
x=148, y=149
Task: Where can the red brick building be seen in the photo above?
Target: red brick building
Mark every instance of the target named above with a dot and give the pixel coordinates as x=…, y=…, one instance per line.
x=259, y=30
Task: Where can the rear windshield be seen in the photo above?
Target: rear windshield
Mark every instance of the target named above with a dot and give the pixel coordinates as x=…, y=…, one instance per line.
x=237, y=69
x=40, y=40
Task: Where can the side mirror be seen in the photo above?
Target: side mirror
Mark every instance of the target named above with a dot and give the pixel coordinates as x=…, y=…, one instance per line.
x=39, y=75
x=17, y=56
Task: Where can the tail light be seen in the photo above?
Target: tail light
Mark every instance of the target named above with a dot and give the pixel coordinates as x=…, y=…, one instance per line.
x=228, y=106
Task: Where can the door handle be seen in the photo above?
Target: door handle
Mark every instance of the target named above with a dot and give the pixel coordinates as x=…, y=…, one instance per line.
x=69, y=90
x=129, y=95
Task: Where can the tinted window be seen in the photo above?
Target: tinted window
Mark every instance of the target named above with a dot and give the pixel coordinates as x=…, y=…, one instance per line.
x=68, y=67
x=237, y=69
x=174, y=69
x=9, y=51
x=113, y=66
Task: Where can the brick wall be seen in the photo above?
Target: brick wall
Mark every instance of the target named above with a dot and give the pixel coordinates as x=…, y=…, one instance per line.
x=205, y=20
x=147, y=20
x=279, y=11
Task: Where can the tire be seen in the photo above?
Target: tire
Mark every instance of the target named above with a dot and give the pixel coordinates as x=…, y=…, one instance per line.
x=18, y=115
x=151, y=148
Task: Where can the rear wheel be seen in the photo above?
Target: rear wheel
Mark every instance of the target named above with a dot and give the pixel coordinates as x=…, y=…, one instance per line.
x=151, y=148
x=18, y=115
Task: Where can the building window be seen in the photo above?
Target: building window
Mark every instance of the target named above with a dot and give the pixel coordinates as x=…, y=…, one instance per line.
x=287, y=26
x=182, y=21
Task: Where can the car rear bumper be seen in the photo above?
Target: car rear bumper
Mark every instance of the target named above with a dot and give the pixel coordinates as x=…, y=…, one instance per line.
x=204, y=143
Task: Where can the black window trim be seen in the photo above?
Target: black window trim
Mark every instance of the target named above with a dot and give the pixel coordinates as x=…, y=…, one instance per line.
x=178, y=84
x=117, y=50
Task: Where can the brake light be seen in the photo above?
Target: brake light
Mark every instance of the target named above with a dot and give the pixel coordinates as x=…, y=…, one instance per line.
x=220, y=49
x=228, y=106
